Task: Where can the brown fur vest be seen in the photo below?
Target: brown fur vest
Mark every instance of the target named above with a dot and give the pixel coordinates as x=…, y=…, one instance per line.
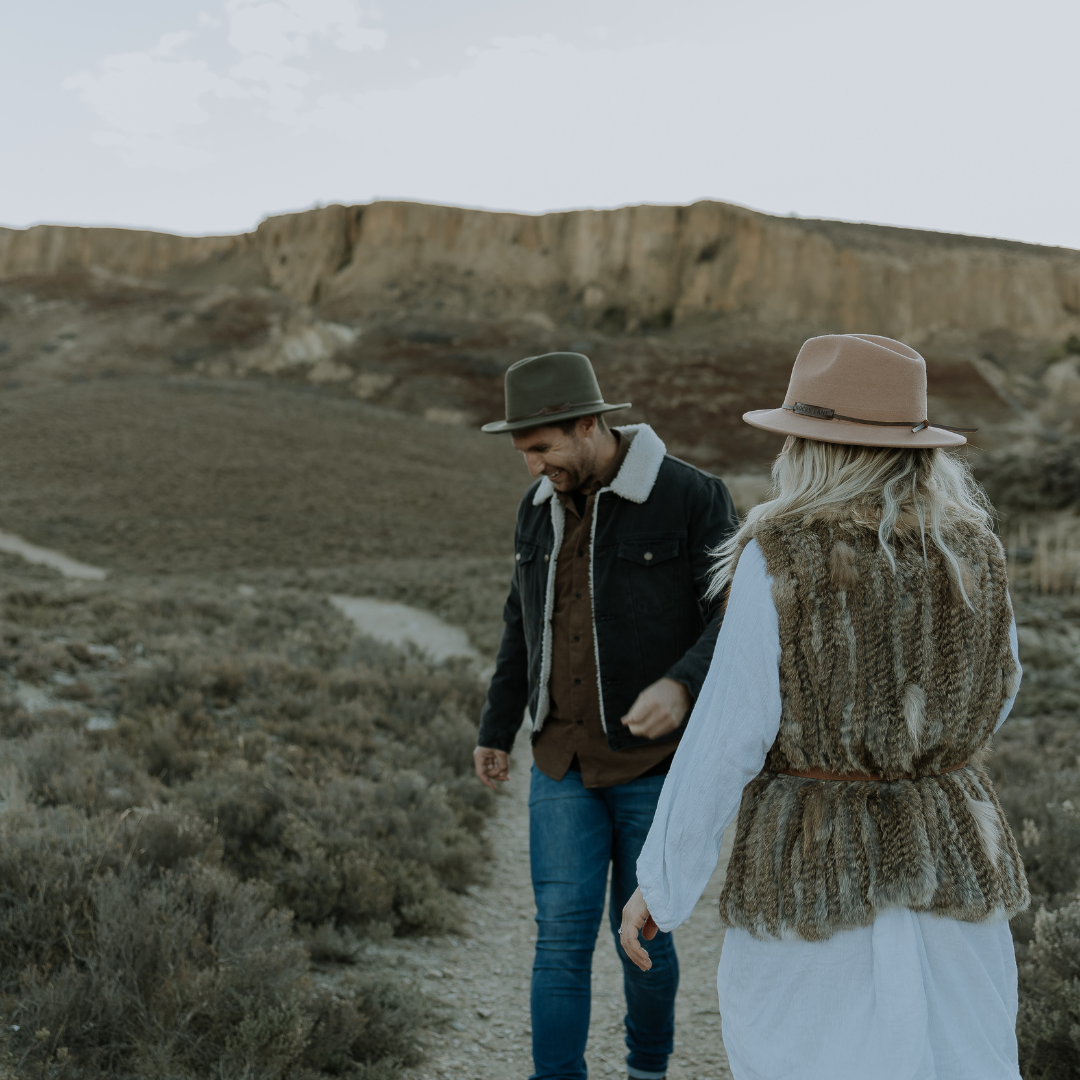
x=889, y=675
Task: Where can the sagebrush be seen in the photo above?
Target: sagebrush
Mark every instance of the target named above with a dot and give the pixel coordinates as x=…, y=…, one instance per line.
x=200, y=792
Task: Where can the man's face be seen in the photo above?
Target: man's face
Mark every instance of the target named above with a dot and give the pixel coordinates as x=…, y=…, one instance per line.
x=567, y=460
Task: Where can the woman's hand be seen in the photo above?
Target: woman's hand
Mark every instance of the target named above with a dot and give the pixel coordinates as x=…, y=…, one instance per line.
x=635, y=917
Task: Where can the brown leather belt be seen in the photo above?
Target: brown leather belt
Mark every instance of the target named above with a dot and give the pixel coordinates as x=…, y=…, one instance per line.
x=858, y=777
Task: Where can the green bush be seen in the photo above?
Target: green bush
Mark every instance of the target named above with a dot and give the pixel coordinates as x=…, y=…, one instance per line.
x=1048, y=479
x=127, y=950
x=205, y=791
x=1048, y=1023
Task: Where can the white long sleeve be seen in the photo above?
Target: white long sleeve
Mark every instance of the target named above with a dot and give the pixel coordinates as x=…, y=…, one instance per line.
x=731, y=729
x=1014, y=644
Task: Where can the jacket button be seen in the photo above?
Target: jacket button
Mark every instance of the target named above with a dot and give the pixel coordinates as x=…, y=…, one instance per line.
x=648, y=555
x=547, y=558
x=518, y=556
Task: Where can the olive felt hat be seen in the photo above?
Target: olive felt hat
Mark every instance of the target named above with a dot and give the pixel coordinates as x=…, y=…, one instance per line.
x=859, y=389
x=546, y=389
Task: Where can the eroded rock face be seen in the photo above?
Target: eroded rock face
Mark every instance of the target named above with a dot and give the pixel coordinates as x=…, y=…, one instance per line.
x=640, y=267
x=694, y=313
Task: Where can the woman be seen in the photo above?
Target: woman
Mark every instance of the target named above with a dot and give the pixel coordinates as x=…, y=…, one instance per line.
x=867, y=656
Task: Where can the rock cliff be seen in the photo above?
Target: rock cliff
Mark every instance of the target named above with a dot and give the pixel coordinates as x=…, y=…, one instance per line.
x=637, y=267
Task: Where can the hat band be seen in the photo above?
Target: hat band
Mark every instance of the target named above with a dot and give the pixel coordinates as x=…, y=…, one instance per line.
x=550, y=410
x=819, y=412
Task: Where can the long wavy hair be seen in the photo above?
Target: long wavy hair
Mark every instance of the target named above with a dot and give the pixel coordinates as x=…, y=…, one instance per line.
x=886, y=488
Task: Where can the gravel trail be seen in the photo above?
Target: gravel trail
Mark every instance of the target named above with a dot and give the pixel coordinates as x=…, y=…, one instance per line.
x=482, y=975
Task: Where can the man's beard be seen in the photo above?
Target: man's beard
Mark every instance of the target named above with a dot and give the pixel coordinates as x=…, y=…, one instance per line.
x=572, y=478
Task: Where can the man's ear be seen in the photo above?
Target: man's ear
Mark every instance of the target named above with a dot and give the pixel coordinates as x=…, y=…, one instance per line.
x=586, y=425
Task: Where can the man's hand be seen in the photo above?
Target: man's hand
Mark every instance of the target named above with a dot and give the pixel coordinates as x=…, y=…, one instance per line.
x=635, y=917
x=491, y=765
x=659, y=709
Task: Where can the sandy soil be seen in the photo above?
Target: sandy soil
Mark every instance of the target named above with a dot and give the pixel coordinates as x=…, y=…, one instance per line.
x=481, y=976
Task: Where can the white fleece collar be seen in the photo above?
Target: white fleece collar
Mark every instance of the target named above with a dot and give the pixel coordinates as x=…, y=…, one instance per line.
x=635, y=478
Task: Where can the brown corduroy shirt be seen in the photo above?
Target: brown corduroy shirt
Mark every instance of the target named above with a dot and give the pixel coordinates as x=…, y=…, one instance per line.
x=573, y=728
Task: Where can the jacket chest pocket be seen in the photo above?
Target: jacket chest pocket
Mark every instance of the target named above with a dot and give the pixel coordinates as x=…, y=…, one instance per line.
x=531, y=566
x=651, y=570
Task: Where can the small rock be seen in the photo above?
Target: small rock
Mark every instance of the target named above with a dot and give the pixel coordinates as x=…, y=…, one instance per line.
x=80, y=651
x=457, y=1025
x=434, y=973
x=484, y=1013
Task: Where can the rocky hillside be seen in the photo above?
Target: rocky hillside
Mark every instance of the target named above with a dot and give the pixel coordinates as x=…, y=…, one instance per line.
x=694, y=313
x=638, y=266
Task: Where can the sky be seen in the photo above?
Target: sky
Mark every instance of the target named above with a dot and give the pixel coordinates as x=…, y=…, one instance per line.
x=204, y=116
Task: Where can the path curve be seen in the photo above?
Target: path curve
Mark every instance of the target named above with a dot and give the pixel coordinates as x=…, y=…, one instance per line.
x=70, y=568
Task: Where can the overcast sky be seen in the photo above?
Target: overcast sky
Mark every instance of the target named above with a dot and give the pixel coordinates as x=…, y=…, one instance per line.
x=205, y=115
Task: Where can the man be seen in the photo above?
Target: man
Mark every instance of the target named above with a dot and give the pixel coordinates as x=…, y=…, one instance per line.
x=607, y=641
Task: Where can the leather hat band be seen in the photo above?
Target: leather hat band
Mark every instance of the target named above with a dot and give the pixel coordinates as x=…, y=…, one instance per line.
x=551, y=410
x=819, y=412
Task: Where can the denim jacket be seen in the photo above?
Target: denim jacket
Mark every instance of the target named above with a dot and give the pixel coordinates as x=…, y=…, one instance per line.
x=653, y=531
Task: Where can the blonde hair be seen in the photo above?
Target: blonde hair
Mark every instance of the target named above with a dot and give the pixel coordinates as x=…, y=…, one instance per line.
x=881, y=487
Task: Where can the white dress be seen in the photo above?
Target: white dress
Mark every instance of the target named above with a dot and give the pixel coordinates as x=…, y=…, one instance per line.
x=911, y=997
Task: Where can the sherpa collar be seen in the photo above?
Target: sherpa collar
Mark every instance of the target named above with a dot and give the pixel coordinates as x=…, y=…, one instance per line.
x=634, y=481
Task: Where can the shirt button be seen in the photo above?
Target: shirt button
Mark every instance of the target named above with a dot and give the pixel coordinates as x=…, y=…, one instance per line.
x=577, y=682
x=577, y=596
x=648, y=555
x=580, y=552
x=580, y=723
x=577, y=637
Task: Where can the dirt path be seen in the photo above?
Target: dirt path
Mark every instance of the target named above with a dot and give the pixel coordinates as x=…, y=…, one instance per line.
x=70, y=568
x=400, y=624
x=482, y=976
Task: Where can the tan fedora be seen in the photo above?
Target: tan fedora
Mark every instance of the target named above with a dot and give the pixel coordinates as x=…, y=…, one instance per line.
x=860, y=389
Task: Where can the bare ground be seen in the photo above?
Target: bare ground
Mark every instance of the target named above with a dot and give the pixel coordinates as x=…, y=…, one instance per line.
x=223, y=483
x=481, y=975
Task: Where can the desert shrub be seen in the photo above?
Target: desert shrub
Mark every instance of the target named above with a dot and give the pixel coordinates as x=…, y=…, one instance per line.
x=217, y=789
x=345, y=786
x=1035, y=771
x=127, y=951
x=1048, y=1023
x=1046, y=479
x=59, y=768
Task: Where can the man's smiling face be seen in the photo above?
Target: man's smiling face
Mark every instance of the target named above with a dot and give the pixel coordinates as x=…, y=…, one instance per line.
x=568, y=460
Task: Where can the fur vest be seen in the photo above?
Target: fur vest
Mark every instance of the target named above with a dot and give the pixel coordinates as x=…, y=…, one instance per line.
x=888, y=674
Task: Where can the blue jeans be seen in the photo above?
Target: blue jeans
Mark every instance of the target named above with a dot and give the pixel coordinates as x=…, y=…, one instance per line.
x=574, y=833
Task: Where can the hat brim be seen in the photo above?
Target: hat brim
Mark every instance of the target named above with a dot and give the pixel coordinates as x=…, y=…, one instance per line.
x=496, y=427
x=784, y=422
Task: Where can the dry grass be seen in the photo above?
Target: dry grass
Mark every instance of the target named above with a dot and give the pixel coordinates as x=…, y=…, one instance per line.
x=198, y=476
x=256, y=783
x=1045, y=478
x=1044, y=554
x=238, y=785
x=1036, y=768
